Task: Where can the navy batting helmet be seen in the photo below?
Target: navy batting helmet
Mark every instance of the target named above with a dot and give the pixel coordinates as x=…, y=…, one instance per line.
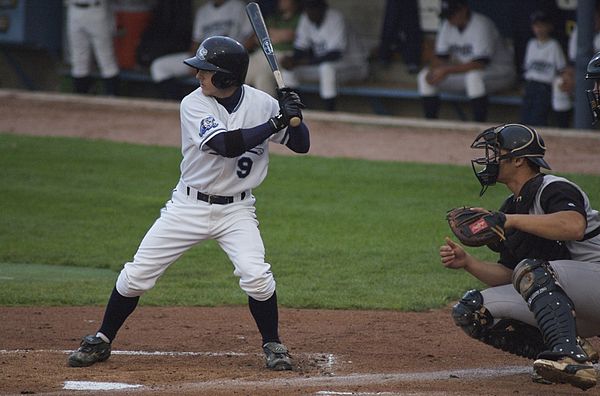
x=517, y=139
x=226, y=57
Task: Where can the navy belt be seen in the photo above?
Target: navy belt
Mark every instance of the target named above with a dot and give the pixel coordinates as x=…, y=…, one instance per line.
x=215, y=199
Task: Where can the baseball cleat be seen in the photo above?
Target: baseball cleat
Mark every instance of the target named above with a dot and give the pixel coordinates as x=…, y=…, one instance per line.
x=588, y=349
x=277, y=356
x=538, y=379
x=91, y=350
x=566, y=371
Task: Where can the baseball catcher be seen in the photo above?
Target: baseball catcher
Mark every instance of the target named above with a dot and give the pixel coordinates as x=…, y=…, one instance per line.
x=542, y=300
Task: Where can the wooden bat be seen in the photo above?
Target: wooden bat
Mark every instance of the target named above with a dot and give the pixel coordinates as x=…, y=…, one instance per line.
x=260, y=29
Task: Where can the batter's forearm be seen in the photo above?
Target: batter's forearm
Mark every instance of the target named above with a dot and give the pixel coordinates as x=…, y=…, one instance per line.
x=232, y=144
x=299, y=139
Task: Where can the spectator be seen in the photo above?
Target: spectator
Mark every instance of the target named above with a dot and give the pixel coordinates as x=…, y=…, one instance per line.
x=325, y=51
x=544, y=59
x=401, y=31
x=563, y=86
x=90, y=27
x=282, y=29
x=169, y=31
x=470, y=56
x=215, y=18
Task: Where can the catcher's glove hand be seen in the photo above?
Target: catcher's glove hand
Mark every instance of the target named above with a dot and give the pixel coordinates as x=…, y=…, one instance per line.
x=476, y=228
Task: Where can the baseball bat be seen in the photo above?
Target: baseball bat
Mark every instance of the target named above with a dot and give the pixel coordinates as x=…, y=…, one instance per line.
x=260, y=29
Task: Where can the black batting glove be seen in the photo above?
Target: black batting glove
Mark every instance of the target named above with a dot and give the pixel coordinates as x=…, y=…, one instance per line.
x=278, y=122
x=290, y=104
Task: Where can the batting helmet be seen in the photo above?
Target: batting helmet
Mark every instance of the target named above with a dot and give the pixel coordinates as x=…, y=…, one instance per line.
x=518, y=139
x=593, y=72
x=226, y=57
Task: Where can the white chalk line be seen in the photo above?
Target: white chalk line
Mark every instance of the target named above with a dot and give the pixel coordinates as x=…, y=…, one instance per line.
x=328, y=380
x=130, y=353
x=356, y=379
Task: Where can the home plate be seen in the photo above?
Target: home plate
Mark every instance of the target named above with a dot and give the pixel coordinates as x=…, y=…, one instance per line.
x=93, y=385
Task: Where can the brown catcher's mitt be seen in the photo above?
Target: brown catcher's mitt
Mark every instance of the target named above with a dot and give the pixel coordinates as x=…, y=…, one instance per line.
x=475, y=228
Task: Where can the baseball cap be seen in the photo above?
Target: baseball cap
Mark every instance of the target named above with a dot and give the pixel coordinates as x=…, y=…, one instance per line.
x=539, y=16
x=449, y=7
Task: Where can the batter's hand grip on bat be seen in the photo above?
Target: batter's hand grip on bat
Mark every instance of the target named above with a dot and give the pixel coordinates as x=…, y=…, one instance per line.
x=260, y=29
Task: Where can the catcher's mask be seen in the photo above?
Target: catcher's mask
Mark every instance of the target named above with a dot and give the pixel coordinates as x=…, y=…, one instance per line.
x=518, y=139
x=593, y=95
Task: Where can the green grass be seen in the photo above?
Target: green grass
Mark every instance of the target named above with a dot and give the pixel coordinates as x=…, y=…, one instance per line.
x=339, y=233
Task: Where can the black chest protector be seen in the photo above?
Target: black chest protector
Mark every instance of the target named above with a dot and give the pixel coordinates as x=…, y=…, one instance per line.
x=520, y=245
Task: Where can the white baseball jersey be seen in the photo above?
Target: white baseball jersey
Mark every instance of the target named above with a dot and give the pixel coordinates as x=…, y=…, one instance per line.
x=479, y=39
x=202, y=118
x=229, y=19
x=543, y=60
x=187, y=220
x=332, y=35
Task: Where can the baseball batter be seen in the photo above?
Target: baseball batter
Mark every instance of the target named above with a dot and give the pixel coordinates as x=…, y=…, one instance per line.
x=226, y=127
x=543, y=294
x=90, y=27
x=470, y=57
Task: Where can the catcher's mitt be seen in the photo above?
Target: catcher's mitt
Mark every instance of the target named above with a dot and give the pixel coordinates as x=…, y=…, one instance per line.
x=475, y=228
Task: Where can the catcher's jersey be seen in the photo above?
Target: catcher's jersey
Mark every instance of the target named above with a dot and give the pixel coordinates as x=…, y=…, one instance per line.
x=478, y=40
x=543, y=60
x=229, y=19
x=588, y=249
x=202, y=118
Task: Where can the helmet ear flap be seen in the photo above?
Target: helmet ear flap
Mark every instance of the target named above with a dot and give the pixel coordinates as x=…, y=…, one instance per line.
x=223, y=80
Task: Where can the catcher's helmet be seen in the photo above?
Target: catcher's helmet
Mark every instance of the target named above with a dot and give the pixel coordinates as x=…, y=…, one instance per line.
x=593, y=73
x=518, y=139
x=226, y=57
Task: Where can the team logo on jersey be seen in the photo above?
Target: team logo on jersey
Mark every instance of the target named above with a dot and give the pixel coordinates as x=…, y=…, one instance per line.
x=207, y=124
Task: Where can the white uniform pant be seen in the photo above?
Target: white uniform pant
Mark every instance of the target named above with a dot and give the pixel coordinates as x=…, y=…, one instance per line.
x=327, y=74
x=475, y=83
x=185, y=222
x=170, y=66
x=561, y=100
x=578, y=279
x=90, y=29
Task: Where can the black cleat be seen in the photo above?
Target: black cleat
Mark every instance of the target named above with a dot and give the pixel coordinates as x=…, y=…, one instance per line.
x=277, y=356
x=91, y=350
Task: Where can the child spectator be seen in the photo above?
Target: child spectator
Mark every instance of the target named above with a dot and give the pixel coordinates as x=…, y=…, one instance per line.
x=544, y=59
x=563, y=88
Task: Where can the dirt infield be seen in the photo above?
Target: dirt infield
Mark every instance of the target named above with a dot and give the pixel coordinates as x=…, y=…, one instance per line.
x=214, y=351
